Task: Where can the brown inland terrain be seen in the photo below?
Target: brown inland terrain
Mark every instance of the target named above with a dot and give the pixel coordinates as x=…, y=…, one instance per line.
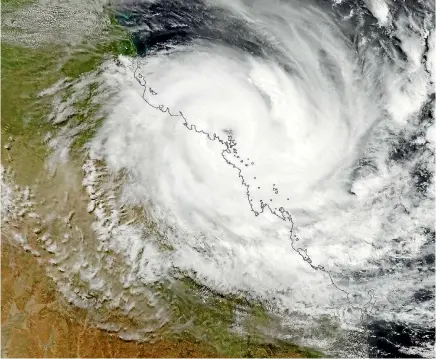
x=37, y=322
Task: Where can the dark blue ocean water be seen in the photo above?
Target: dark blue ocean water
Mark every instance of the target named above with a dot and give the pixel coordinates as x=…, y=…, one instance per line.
x=160, y=25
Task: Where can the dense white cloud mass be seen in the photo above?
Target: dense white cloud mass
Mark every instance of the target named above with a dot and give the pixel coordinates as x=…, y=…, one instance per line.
x=267, y=108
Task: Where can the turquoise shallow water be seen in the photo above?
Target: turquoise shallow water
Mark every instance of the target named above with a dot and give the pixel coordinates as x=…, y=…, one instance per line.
x=161, y=27
x=220, y=261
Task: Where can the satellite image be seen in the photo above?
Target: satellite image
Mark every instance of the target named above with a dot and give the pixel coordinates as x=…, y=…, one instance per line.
x=218, y=178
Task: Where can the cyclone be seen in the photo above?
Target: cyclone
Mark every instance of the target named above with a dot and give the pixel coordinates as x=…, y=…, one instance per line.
x=285, y=152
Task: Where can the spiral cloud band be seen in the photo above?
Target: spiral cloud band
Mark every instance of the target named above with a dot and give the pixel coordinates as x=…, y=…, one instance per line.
x=284, y=151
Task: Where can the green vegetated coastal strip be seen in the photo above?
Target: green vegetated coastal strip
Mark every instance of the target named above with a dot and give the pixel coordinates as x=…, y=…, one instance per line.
x=14, y=4
x=28, y=71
